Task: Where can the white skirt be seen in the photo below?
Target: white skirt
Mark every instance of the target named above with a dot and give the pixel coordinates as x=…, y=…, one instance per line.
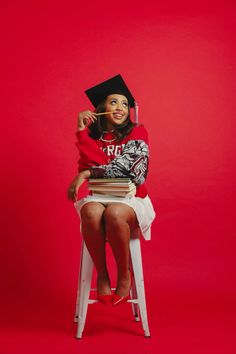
x=142, y=206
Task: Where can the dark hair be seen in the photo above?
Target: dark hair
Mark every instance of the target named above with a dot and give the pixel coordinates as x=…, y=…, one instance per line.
x=97, y=128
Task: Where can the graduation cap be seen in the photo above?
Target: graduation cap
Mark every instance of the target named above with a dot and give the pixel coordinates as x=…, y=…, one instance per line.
x=115, y=85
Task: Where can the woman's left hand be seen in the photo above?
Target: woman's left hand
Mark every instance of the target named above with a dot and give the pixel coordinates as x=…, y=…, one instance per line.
x=77, y=183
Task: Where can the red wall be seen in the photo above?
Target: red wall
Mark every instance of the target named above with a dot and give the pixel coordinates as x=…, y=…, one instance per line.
x=178, y=61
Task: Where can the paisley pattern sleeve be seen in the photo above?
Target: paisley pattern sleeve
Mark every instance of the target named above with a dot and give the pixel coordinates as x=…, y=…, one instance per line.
x=132, y=163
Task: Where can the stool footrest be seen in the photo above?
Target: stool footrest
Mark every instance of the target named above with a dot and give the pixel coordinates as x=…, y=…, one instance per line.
x=133, y=301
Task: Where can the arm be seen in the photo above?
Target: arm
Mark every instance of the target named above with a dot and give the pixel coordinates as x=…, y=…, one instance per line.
x=90, y=153
x=133, y=163
x=77, y=183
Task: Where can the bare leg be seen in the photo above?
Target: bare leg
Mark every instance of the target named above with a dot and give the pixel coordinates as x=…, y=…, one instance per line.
x=95, y=240
x=120, y=220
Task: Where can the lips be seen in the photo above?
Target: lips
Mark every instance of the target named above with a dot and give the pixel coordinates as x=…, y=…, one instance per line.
x=117, y=115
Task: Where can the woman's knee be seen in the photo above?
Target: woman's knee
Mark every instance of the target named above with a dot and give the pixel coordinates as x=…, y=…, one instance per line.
x=92, y=212
x=114, y=214
x=118, y=214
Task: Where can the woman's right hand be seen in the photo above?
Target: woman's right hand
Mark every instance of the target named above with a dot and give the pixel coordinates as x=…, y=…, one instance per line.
x=76, y=184
x=86, y=118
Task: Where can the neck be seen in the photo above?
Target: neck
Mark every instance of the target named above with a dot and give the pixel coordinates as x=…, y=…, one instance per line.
x=108, y=131
x=109, y=127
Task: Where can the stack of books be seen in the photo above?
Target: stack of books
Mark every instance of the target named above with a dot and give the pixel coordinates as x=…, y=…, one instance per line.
x=120, y=187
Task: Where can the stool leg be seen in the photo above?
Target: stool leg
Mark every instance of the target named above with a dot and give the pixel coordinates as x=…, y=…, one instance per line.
x=84, y=289
x=78, y=287
x=135, y=307
x=135, y=252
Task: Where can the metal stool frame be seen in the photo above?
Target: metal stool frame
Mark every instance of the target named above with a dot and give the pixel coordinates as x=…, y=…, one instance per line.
x=137, y=292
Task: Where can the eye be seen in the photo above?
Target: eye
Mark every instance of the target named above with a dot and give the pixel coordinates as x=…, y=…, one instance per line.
x=113, y=101
x=125, y=104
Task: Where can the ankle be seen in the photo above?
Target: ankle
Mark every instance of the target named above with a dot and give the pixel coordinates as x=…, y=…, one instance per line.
x=124, y=283
x=103, y=284
x=124, y=275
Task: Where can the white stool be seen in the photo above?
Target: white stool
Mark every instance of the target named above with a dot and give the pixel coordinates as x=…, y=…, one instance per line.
x=137, y=291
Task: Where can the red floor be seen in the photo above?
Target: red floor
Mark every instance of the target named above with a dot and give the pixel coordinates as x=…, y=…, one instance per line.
x=178, y=324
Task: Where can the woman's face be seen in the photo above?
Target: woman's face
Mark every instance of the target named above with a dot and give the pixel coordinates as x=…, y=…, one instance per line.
x=118, y=105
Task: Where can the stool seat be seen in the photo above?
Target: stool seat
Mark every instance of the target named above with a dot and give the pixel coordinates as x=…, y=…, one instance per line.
x=137, y=292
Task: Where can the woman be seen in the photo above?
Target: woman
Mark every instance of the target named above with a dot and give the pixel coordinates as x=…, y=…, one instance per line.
x=112, y=146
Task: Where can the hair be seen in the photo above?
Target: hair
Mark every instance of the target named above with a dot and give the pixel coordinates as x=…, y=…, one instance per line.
x=97, y=128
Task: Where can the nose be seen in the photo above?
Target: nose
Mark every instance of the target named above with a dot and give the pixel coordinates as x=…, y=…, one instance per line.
x=119, y=106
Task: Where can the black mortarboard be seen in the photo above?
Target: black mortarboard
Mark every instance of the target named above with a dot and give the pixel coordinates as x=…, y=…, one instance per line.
x=114, y=85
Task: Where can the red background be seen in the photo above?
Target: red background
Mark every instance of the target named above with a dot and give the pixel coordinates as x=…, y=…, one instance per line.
x=177, y=58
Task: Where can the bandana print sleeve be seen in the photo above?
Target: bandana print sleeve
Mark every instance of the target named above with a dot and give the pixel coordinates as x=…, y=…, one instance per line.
x=132, y=163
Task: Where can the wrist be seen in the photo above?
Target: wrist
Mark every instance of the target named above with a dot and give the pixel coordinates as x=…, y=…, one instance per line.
x=86, y=174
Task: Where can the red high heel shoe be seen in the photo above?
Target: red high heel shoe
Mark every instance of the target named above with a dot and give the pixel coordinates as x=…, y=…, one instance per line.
x=117, y=299
x=105, y=299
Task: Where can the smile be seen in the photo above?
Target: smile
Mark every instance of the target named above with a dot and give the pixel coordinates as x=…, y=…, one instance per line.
x=117, y=115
